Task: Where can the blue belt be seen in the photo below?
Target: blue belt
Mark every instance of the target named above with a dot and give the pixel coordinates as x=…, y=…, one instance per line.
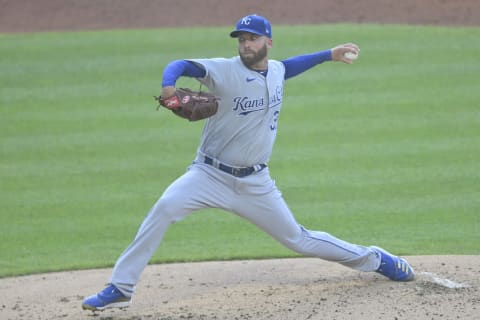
x=235, y=171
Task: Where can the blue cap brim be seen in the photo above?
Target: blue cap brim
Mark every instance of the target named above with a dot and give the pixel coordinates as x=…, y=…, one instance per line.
x=235, y=33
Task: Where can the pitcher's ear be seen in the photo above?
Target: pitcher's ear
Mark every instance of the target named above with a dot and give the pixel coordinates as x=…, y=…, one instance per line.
x=269, y=43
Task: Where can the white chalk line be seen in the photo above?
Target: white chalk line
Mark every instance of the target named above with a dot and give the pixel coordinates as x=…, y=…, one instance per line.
x=444, y=281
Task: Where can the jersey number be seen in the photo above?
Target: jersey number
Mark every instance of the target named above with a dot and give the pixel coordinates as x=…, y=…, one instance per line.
x=273, y=126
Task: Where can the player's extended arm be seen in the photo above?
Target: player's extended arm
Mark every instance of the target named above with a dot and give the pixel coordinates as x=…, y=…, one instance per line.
x=298, y=64
x=175, y=70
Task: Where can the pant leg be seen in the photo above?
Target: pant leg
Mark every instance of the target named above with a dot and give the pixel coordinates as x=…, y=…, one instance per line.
x=194, y=190
x=261, y=203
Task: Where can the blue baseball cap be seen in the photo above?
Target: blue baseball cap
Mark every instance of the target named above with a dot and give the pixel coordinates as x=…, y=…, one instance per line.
x=253, y=24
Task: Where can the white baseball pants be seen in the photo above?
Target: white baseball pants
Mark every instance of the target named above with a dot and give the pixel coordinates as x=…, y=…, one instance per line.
x=255, y=198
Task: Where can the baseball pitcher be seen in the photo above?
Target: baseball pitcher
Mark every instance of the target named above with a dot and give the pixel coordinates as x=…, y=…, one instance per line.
x=230, y=171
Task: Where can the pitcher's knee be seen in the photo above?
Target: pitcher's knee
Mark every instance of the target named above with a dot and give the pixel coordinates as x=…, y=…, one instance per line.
x=309, y=244
x=298, y=243
x=169, y=209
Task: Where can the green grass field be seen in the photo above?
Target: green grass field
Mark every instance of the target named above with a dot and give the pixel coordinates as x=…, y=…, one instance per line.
x=386, y=151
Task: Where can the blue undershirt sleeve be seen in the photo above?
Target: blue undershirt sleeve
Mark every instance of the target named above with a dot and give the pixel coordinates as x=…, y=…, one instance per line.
x=298, y=64
x=178, y=68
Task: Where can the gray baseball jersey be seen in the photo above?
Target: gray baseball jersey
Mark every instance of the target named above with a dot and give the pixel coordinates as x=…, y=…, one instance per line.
x=243, y=131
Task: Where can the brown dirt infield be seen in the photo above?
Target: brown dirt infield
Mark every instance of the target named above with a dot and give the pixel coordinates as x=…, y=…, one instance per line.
x=48, y=15
x=447, y=287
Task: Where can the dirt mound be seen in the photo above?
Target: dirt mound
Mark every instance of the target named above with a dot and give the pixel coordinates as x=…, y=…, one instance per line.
x=447, y=287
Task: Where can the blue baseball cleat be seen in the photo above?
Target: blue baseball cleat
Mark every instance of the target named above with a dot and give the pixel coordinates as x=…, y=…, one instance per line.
x=393, y=267
x=110, y=297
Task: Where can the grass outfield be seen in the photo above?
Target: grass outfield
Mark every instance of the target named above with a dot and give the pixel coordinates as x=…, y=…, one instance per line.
x=385, y=152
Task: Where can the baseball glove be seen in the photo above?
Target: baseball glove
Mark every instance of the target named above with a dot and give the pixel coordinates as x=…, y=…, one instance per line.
x=189, y=104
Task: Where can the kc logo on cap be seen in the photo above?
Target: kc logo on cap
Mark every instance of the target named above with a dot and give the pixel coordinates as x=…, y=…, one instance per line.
x=253, y=24
x=246, y=21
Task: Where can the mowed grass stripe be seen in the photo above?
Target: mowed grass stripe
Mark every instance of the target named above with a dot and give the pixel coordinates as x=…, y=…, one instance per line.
x=383, y=151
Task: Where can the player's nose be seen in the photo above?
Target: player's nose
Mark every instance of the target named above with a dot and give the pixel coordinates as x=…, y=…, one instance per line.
x=246, y=45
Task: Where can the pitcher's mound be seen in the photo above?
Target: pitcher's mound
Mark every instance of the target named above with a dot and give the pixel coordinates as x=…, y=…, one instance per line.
x=446, y=287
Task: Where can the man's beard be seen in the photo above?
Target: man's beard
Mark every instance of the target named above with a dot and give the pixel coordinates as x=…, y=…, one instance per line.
x=251, y=60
